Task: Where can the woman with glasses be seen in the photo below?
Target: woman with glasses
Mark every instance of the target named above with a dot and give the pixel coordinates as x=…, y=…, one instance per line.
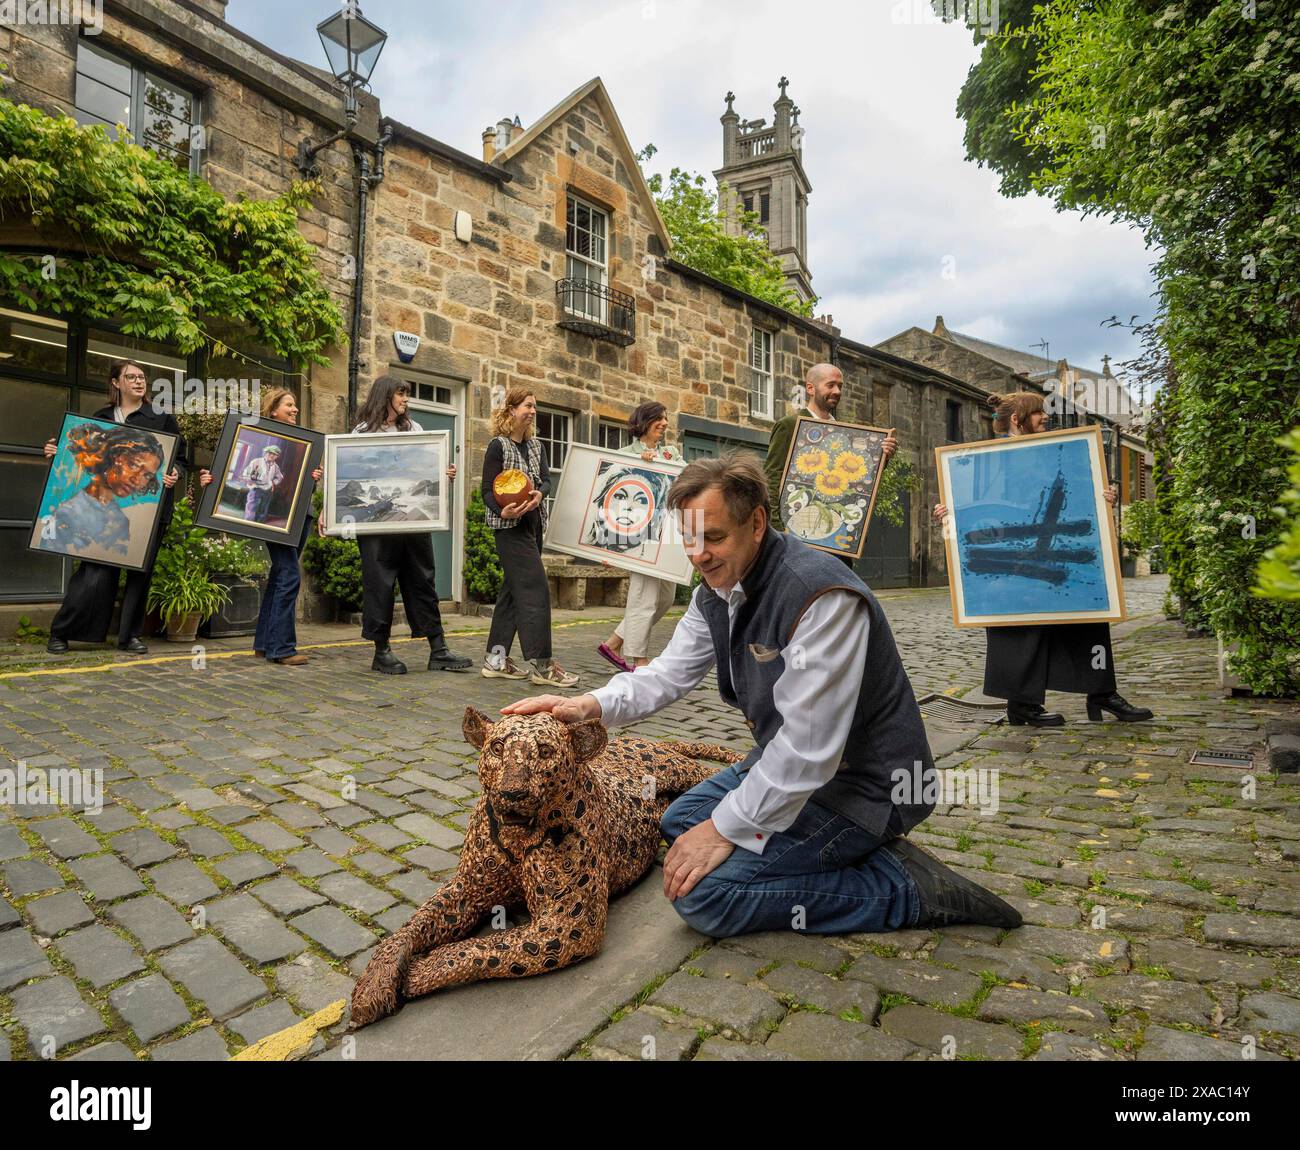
x=87, y=607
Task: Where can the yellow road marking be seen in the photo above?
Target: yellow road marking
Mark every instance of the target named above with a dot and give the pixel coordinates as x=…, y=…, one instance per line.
x=160, y=660
x=279, y=1046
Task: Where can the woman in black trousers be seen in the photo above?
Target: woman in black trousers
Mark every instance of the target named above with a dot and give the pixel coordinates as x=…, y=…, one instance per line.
x=87, y=607
x=524, y=604
x=1023, y=663
x=405, y=560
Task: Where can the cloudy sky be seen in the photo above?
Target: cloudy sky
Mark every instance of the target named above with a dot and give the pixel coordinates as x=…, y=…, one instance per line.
x=894, y=202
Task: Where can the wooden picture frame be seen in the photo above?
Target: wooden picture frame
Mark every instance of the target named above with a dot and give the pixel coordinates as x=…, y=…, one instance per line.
x=387, y=483
x=1004, y=496
x=103, y=495
x=829, y=483
x=611, y=507
x=254, y=496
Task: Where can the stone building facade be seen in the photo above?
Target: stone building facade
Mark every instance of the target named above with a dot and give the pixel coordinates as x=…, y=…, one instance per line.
x=542, y=263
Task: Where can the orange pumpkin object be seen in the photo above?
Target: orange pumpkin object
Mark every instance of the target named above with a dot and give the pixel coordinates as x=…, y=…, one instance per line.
x=511, y=487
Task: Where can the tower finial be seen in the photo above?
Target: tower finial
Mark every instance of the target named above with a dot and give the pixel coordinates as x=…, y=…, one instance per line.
x=730, y=98
x=783, y=83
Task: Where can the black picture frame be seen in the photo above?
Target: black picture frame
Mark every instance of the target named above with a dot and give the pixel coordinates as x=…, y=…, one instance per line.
x=66, y=480
x=289, y=502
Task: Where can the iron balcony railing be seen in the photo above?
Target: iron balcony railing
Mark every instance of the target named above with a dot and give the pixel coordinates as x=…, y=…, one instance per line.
x=596, y=310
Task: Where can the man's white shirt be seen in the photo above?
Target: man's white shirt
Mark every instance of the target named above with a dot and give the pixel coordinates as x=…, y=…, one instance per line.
x=816, y=696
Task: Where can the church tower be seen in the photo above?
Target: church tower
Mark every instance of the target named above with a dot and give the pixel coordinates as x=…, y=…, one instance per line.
x=762, y=171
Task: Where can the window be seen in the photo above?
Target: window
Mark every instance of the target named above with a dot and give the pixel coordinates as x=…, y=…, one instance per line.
x=760, y=374
x=431, y=393
x=758, y=202
x=954, y=422
x=613, y=436
x=554, y=429
x=585, y=234
x=157, y=113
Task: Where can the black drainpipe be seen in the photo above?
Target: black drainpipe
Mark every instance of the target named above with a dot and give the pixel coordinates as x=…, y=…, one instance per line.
x=366, y=181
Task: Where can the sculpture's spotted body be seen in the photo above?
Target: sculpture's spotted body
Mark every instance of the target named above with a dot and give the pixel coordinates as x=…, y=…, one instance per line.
x=566, y=820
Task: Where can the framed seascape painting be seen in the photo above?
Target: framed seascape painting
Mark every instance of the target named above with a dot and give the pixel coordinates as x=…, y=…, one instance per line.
x=614, y=507
x=829, y=485
x=385, y=484
x=262, y=484
x=1029, y=535
x=103, y=494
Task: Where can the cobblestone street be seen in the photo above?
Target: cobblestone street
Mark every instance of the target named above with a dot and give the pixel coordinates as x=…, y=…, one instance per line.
x=1161, y=901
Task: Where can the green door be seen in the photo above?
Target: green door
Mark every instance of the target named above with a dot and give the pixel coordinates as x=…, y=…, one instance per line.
x=442, y=540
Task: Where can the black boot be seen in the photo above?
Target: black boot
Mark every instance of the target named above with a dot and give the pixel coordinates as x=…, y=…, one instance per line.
x=441, y=659
x=947, y=898
x=57, y=646
x=1032, y=715
x=385, y=661
x=136, y=646
x=1118, y=706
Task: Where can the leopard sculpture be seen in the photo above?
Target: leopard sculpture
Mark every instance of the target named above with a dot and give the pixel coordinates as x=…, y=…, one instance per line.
x=567, y=819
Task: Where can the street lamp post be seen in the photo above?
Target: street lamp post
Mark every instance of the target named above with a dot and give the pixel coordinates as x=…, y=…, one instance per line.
x=352, y=46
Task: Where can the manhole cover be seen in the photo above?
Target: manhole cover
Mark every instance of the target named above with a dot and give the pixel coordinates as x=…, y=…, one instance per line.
x=1223, y=757
x=946, y=707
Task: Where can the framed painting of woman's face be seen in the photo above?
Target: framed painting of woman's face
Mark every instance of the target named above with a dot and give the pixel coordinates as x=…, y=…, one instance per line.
x=614, y=507
x=1029, y=535
x=261, y=479
x=103, y=494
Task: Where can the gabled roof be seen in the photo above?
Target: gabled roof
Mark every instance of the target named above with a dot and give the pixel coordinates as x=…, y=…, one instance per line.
x=595, y=88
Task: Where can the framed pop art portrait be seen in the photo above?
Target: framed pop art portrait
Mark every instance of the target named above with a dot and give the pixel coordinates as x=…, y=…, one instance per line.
x=614, y=507
x=1029, y=535
x=830, y=482
x=386, y=484
x=261, y=479
x=103, y=494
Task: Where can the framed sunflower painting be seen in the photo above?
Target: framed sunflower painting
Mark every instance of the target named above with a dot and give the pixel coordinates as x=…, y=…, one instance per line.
x=830, y=481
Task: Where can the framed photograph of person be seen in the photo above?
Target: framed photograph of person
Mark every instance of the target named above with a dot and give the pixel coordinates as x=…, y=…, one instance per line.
x=614, y=507
x=262, y=483
x=385, y=484
x=1029, y=535
x=103, y=493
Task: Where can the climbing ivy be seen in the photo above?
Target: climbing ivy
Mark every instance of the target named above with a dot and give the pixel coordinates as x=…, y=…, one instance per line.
x=136, y=241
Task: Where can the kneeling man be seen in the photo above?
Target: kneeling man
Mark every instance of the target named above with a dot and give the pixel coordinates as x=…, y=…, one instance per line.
x=804, y=832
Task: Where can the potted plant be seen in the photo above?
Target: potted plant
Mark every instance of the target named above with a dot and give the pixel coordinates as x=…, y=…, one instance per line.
x=238, y=565
x=182, y=589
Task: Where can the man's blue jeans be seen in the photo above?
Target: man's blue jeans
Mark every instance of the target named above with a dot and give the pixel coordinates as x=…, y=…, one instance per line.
x=823, y=874
x=277, y=633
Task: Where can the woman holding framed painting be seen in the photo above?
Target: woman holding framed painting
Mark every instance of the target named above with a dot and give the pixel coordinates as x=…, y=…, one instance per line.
x=1024, y=662
x=517, y=515
x=402, y=558
x=122, y=464
x=648, y=598
x=276, y=637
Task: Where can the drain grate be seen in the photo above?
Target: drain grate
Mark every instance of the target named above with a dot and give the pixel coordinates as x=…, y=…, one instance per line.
x=946, y=707
x=1223, y=757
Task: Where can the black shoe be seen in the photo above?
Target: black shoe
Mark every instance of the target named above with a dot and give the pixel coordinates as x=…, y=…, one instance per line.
x=57, y=646
x=134, y=646
x=1118, y=706
x=387, y=662
x=1032, y=715
x=440, y=659
x=946, y=897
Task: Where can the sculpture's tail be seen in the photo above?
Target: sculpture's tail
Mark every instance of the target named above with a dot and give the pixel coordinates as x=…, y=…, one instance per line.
x=710, y=751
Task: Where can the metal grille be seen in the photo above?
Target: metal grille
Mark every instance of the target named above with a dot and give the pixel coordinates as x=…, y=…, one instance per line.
x=938, y=706
x=1223, y=757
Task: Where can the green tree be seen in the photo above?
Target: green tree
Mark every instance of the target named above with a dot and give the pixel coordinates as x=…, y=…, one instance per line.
x=1171, y=118
x=700, y=240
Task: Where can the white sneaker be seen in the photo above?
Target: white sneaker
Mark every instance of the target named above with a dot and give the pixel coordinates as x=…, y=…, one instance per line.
x=554, y=676
x=509, y=671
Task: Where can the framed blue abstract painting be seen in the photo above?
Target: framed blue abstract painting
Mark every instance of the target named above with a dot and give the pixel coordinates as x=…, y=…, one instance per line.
x=1029, y=535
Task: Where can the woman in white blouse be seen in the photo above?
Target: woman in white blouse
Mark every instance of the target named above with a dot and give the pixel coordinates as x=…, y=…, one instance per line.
x=648, y=598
